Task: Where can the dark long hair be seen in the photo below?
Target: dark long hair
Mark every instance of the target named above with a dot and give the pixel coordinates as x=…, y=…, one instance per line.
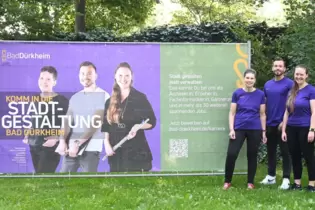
x=114, y=110
x=250, y=71
x=294, y=90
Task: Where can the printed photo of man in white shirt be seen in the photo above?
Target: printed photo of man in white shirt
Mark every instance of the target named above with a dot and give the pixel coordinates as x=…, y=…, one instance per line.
x=86, y=110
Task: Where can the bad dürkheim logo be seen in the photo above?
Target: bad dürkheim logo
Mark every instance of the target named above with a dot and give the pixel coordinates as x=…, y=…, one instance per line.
x=5, y=55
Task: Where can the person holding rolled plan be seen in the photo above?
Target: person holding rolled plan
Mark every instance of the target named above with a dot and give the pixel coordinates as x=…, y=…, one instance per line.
x=276, y=92
x=299, y=126
x=247, y=120
x=124, y=112
x=81, y=150
x=42, y=147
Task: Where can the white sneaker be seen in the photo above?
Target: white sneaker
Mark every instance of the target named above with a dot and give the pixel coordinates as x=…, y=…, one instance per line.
x=285, y=184
x=269, y=180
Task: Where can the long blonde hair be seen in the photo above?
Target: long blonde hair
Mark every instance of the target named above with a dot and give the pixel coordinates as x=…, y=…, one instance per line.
x=113, y=112
x=294, y=90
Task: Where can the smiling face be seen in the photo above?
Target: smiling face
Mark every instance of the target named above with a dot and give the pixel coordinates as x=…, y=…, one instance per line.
x=46, y=82
x=278, y=67
x=300, y=75
x=87, y=76
x=249, y=80
x=123, y=77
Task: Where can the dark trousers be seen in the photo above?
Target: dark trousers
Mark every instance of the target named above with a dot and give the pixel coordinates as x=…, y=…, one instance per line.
x=45, y=159
x=298, y=145
x=253, y=138
x=273, y=140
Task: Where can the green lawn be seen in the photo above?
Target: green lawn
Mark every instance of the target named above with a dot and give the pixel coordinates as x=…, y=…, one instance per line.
x=202, y=192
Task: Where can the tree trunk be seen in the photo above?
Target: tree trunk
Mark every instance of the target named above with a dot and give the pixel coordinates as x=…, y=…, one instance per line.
x=80, y=15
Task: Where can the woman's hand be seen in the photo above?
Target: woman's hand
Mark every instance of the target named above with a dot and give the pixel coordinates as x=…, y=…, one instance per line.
x=280, y=126
x=109, y=149
x=284, y=136
x=264, y=137
x=310, y=136
x=133, y=131
x=232, y=134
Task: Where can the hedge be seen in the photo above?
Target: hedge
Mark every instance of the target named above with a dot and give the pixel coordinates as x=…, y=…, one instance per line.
x=264, y=42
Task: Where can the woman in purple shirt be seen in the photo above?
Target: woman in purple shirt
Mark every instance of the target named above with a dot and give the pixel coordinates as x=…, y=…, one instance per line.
x=299, y=126
x=247, y=120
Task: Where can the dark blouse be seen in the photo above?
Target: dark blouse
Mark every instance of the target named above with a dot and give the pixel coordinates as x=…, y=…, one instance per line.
x=135, y=109
x=61, y=108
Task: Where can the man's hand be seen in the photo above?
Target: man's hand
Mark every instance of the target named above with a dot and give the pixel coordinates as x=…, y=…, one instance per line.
x=62, y=148
x=74, y=148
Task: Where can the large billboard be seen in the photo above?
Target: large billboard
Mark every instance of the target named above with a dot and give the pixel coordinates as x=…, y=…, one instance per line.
x=186, y=86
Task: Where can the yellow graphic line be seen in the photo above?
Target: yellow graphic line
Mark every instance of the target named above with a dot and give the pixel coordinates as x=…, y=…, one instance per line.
x=242, y=60
x=240, y=52
x=239, y=82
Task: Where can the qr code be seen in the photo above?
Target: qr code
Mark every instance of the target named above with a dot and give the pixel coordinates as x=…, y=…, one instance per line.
x=178, y=148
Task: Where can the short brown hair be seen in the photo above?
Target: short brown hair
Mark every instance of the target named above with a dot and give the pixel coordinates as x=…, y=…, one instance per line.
x=51, y=70
x=88, y=63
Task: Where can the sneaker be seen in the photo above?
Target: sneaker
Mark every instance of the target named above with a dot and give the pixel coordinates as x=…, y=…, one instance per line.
x=310, y=188
x=226, y=186
x=285, y=184
x=269, y=180
x=250, y=186
x=295, y=186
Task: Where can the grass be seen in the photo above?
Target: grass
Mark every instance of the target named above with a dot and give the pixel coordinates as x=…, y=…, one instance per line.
x=142, y=193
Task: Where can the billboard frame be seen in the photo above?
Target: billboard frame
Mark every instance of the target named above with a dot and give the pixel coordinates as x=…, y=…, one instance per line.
x=124, y=174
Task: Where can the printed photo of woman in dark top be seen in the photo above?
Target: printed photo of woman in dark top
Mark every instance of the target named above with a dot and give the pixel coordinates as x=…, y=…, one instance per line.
x=43, y=145
x=126, y=109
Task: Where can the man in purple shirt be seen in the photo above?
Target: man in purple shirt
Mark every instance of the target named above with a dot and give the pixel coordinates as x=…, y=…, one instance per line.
x=276, y=91
x=299, y=126
x=247, y=120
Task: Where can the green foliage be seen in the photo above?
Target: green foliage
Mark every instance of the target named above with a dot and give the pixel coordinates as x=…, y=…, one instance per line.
x=97, y=35
x=200, y=11
x=265, y=47
x=120, y=16
x=35, y=18
x=142, y=193
x=299, y=40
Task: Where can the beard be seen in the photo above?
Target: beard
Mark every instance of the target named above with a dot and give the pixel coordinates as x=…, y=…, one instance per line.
x=278, y=73
x=87, y=83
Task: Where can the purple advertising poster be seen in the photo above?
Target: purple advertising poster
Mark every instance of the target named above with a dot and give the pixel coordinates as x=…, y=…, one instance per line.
x=20, y=75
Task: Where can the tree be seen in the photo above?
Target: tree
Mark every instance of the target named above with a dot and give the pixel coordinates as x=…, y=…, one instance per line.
x=34, y=17
x=121, y=16
x=199, y=11
x=80, y=15
x=299, y=41
x=40, y=18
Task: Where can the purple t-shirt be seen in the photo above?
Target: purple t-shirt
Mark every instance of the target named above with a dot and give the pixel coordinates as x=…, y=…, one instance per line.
x=276, y=93
x=301, y=116
x=247, y=115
